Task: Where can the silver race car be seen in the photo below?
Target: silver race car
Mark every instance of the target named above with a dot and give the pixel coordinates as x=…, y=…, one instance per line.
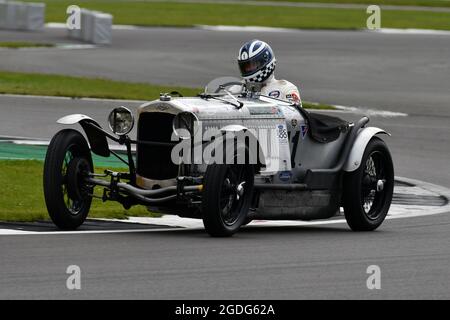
x=227, y=156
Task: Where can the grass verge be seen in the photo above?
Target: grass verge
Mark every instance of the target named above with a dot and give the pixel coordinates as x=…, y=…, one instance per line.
x=19, y=44
x=425, y=3
x=80, y=87
x=189, y=14
x=22, y=198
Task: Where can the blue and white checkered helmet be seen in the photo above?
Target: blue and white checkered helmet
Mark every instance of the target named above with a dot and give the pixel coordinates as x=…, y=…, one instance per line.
x=256, y=61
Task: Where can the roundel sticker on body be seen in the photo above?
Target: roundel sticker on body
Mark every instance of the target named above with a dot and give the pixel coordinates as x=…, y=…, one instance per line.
x=274, y=94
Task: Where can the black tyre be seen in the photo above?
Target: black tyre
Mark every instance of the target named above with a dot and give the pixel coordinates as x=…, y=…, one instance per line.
x=368, y=190
x=67, y=197
x=226, y=198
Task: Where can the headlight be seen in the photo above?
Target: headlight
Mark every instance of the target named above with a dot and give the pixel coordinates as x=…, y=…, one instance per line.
x=185, y=125
x=121, y=121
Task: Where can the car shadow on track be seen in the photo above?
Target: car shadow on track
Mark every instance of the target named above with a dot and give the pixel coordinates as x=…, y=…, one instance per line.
x=260, y=232
x=146, y=230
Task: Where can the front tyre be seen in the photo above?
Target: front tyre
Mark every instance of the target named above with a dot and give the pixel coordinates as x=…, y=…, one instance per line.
x=67, y=197
x=226, y=197
x=368, y=190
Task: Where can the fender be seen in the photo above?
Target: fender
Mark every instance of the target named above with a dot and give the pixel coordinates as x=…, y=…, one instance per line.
x=364, y=136
x=97, y=140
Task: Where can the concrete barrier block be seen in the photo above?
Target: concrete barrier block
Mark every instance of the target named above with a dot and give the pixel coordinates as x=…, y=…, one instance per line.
x=35, y=16
x=3, y=15
x=11, y=12
x=102, y=32
x=87, y=25
x=96, y=27
x=17, y=15
x=77, y=33
x=20, y=12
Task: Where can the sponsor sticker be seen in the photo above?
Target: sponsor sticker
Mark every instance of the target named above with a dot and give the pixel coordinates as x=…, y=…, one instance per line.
x=277, y=111
x=274, y=94
x=263, y=110
x=282, y=132
x=294, y=122
x=293, y=97
x=285, y=175
x=304, y=130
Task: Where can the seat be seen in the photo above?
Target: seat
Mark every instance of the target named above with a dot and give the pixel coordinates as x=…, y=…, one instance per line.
x=324, y=128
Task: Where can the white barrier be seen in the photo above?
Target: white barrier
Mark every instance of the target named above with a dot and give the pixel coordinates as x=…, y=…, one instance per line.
x=3, y=14
x=22, y=15
x=96, y=27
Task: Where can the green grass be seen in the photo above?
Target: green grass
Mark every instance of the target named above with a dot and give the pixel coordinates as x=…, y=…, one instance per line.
x=426, y=3
x=19, y=44
x=22, y=197
x=189, y=14
x=79, y=87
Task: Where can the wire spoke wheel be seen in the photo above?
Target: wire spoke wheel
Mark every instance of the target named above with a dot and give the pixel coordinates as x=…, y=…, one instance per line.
x=73, y=205
x=233, y=194
x=368, y=190
x=228, y=189
x=67, y=197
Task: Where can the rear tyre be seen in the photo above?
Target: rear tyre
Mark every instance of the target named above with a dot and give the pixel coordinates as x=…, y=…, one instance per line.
x=67, y=197
x=226, y=197
x=368, y=190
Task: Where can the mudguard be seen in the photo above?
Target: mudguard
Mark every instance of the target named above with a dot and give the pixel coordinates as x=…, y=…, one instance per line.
x=354, y=159
x=97, y=140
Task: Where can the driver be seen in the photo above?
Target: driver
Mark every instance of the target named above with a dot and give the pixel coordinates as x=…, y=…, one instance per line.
x=257, y=64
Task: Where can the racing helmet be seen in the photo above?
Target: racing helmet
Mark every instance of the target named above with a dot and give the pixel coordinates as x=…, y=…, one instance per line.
x=256, y=61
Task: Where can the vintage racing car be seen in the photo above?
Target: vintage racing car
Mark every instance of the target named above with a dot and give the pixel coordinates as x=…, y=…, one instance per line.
x=227, y=156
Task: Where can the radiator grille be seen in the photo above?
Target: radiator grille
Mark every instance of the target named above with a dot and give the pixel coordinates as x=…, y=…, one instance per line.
x=154, y=162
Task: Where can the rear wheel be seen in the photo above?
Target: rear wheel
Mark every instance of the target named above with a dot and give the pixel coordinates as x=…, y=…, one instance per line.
x=368, y=190
x=227, y=195
x=68, y=198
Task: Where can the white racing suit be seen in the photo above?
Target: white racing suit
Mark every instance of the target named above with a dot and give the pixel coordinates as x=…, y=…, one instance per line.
x=281, y=89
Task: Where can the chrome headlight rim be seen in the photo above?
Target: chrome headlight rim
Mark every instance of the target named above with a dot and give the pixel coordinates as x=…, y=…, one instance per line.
x=112, y=119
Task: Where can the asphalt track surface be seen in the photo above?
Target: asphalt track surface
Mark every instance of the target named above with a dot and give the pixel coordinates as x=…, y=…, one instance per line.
x=402, y=73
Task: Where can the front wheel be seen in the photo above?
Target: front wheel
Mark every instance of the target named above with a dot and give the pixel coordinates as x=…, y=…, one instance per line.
x=368, y=190
x=67, y=197
x=226, y=200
